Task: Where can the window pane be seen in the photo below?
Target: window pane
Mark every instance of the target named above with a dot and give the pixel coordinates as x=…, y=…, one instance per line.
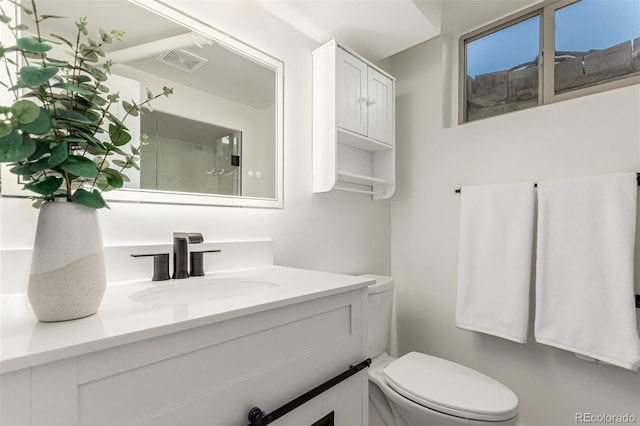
x=596, y=41
x=502, y=70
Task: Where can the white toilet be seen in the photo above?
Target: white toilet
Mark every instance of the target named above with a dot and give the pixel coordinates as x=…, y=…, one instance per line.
x=421, y=390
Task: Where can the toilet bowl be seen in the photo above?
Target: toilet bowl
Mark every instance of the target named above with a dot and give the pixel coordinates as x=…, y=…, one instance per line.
x=421, y=390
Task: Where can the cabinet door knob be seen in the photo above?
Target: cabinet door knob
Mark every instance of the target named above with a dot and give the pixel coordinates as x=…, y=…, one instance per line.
x=371, y=102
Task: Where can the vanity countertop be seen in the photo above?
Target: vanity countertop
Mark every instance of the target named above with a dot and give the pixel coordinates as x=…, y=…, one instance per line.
x=25, y=342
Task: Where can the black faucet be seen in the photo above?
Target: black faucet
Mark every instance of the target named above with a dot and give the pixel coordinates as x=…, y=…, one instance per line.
x=181, y=242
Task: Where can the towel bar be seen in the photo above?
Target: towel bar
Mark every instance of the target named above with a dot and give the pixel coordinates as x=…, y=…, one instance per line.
x=257, y=417
x=459, y=190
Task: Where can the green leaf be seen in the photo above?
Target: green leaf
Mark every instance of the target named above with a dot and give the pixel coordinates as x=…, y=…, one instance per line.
x=113, y=97
x=127, y=106
x=25, y=111
x=121, y=163
x=92, y=115
x=82, y=78
x=98, y=101
x=114, y=149
x=119, y=135
x=92, y=141
x=58, y=154
x=105, y=36
x=116, y=120
x=39, y=152
x=16, y=147
x=89, y=199
x=24, y=8
x=35, y=76
x=33, y=45
x=73, y=88
x=74, y=116
x=80, y=166
x=87, y=50
x=24, y=170
x=74, y=104
x=73, y=139
x=43, y=17
x=103, y=183
x=5, y=129
x=40, y=165
x=114, y=178
x=40, y=126
x=95, y=72
x=47, y=186
x=64, y=40
x=57, y=62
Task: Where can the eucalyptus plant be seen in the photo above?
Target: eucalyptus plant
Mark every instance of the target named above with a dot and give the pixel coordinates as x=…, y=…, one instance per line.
x=59, y=133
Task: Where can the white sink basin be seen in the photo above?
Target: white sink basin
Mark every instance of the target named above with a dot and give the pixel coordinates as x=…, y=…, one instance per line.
x=202, y=290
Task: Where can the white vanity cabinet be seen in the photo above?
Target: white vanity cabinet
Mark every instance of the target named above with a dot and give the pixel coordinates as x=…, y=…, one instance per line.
x=207, y=373
x=353, y=124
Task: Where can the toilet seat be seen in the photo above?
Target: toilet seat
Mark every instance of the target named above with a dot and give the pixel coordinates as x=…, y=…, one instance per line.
x=450, y=388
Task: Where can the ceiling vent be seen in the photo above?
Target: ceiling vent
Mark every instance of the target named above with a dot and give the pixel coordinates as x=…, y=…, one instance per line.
x=182, y=59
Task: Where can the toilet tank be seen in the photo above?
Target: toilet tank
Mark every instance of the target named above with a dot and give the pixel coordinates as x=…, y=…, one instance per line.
x=380, y=305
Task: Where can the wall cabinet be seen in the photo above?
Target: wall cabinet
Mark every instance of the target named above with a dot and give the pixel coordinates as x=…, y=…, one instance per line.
x=211, y=374
x=353, y=124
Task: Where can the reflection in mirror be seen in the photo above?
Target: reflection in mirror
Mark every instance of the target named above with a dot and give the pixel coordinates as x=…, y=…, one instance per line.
x=189, y=156
x=218, y=139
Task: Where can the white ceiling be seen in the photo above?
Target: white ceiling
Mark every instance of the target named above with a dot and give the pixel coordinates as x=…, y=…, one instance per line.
x=375, y=29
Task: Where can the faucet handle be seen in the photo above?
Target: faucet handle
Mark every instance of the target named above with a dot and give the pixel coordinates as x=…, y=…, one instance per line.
x=160, y=265
x=194, y=238
x=196, y=259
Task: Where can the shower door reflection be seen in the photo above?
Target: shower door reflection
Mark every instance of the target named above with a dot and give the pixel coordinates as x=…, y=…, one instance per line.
x=184, y=155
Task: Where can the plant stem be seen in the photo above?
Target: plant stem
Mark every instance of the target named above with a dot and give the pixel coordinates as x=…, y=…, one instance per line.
x=68, y=185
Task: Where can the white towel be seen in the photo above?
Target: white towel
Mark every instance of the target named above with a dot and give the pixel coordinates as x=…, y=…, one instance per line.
x=584, y=271
x=495, y=257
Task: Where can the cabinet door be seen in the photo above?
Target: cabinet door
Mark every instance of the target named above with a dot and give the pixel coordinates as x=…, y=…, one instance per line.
x=380, y=107
x=351, y=92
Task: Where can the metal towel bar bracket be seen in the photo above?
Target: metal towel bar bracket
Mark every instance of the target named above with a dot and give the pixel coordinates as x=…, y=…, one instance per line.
x=257, y=417
x=459, y=190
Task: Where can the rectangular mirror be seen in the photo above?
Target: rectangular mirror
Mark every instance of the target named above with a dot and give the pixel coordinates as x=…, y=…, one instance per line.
x=217, y=140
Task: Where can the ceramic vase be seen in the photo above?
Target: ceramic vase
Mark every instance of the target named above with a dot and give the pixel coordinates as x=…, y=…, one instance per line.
x=67, y=278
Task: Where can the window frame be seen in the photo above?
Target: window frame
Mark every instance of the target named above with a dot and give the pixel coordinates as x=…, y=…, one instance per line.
x=546, y=74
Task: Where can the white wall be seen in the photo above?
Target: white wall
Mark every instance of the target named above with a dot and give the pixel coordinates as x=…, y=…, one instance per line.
x=590, y=135
x=339, y=232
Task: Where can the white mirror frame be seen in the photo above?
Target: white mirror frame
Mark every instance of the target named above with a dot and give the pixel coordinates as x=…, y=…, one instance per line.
x=11, y=187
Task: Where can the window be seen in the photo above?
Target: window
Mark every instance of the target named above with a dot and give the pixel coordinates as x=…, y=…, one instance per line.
x=594, y=45
x=502, y=69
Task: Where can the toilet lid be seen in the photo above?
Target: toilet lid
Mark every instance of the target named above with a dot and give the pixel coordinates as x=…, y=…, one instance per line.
x=450, y=388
